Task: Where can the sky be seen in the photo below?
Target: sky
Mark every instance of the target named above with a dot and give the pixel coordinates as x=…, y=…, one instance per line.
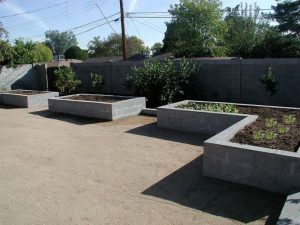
x=85, y=19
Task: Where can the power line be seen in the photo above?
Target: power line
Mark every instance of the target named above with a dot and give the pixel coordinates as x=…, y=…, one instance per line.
x=83, y=25
x=96, y=27
x=36, y=10
x=105, y=18
x=54, y=19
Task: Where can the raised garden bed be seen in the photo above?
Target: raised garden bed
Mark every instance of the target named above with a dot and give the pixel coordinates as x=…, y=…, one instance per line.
x=236, y=152
x=26, y=98
x=106, y=107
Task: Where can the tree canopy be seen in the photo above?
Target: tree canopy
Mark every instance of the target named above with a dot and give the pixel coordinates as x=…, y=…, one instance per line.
x=196, y=29
x=286, y=13
x=59, y=42
x=75, y=52
x=112, y=46
x=156, y=48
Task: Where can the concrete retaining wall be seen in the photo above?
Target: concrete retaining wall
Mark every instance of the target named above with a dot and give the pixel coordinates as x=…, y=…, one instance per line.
x=29, y=76
x=194, y=120
x=27, y=101
x=228, y=79
x=270, y=169
x=99, y=110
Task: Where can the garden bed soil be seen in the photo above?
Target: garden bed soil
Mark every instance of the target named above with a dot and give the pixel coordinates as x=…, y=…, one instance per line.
x=289, y=141
x=96, y=98
x=22, y=92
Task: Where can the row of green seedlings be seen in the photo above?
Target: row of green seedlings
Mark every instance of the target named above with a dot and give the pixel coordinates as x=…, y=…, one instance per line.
x=271, y=123
x=214, y=107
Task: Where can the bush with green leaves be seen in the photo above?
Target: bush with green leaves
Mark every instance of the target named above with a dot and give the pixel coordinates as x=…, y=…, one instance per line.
x=163, y=82
x=7, y=53
x=270, y=82
x=65, y=80
x=97, y=81
x=76, y=52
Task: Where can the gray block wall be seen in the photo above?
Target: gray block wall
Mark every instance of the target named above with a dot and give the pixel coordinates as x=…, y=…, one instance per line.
x=227, y=79
x=28, y=76
x=27, y=101
x=269, y=169
x=194, y=121
x=99, y=110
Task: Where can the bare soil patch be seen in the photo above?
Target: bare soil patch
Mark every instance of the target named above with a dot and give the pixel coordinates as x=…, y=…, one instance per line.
x=22, y=92
x=96, y=98
x=290, y=141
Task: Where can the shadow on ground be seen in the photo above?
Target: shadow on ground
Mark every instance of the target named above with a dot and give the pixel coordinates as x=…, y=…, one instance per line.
x=67, y=118
x=152, y=130
x=188, y=187
x=9, y=107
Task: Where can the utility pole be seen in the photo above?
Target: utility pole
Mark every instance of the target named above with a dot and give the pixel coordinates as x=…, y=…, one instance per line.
x=123, y=32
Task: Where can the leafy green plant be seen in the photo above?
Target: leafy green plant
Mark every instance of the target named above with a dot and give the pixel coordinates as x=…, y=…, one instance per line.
x=283, y=130
x=270, y=122
x=270, y=135
x=258, y=135
x=289, y=119
x=269, y=81
x=212, y=107
x=163, y=82
x=97, y=81
x=65, y=80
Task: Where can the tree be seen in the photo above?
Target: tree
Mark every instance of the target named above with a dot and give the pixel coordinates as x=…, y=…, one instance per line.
x=156, y=48
x=287, y=16
x=24, y=52
x=60, y=42
x=7, y=53
x=277, y=45
x=41, y=53
x=198, y=22
x=245, y=30
x=75, y=52
x=3, y=32
x=96, y=47
x=112, y=46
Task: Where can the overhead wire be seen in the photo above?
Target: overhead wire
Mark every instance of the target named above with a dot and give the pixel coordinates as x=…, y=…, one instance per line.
x=36, y=10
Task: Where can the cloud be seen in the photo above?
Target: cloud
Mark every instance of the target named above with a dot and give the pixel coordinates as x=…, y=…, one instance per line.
x=31, y=17
x=132, y=5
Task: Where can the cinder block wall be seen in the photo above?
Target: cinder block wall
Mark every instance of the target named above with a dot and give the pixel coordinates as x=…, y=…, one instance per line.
x=28, y=76
x=227, y=79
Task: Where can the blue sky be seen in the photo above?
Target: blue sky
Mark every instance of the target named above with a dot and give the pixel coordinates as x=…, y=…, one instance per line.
x=73, y=13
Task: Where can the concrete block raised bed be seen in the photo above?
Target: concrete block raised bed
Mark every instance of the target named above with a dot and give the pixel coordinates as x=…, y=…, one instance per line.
x=270, y=169
x=19, y=98
x=126, y=106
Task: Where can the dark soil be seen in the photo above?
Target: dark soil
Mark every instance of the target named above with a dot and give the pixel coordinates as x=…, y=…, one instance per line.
x=21, y=92
x=97, y=98
x=289, y=141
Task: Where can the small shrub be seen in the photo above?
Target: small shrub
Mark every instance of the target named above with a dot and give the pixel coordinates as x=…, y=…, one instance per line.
x=258, y=135
x=270, y=82
x=97, y=81
x=270, y=122
x=270, y=135
x=65, y=80
x=283, y=130
x=289, y=119
x=163, y=82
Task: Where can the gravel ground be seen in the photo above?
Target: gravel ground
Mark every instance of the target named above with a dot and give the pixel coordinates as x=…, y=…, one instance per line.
x=59, y=169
